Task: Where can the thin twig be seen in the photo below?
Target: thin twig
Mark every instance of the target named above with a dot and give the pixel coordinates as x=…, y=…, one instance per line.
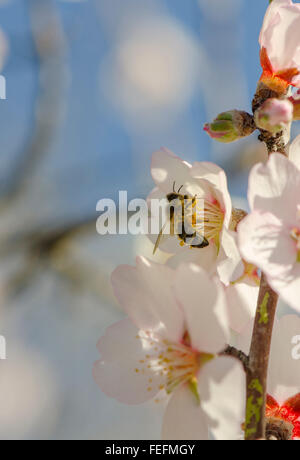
x=240, y=355
x=257, y=372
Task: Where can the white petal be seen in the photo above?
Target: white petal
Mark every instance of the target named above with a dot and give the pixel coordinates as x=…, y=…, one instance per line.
x=119, y=373
x=284, y=372
x=222, y=386
x=275, y=188
x=184, y=418
x=167, y=168
x=217, y=182
x=230, y=266
x=205, y=257
x=289, y=287
x=294, y=152
x=242, y=300
x=204, y=304
x=281, y=34
x=146, y=294
x=242, y=341
x=264, y=242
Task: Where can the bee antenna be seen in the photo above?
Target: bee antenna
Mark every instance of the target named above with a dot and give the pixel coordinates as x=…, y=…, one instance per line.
x=180, y=189
x=174, y=186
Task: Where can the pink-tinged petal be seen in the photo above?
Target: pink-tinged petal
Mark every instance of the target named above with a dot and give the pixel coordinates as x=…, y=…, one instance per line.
x=120, y=373
x=184, y=418
x=280, y=34
x=242, y=299
x=216, y=184
x=146, y=294
x=289, y=287
x=242, y=341
x=205, y=257
x=204, y=305
x=230, y=266
x=167, y=168
x=294, y=152
x=222, y=386
x=284, y=370
x=275, y=188
x=264, y=242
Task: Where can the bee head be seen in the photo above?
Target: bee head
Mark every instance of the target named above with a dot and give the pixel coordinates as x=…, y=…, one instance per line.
x=173, y=196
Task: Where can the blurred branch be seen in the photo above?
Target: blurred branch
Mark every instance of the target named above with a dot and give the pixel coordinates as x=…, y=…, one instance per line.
x=50, y=50
x=44, y=246
x=43, y=240
x=41, y=248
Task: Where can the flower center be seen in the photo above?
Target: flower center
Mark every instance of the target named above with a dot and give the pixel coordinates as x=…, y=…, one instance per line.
x=250, y=272
x=295, y=235
x=175, y=363
x=201, y=218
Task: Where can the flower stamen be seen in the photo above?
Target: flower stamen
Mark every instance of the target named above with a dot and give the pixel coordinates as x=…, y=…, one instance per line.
x=175, y=363
x=200, y=218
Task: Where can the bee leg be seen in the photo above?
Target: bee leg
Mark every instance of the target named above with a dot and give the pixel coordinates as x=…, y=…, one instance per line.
x=202, y=245
x=199, y=242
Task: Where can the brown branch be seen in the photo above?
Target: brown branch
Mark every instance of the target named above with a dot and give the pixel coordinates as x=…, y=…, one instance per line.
x=257, y=372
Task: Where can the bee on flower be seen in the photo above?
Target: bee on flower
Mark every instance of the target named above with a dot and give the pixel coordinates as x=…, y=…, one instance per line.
x=204, y=205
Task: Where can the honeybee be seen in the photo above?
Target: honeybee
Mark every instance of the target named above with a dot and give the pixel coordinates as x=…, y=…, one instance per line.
x=177, y=213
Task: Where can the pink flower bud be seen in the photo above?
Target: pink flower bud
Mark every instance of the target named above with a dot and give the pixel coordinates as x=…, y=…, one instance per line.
x=230, y=126
x=274, y=115
x=280, y=50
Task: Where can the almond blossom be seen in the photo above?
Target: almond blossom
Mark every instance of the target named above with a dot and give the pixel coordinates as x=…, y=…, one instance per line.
x=270, y=236
x=280, y=45
x=241, y=294
x=169, y=347
x=207, y=182
x=283, y=400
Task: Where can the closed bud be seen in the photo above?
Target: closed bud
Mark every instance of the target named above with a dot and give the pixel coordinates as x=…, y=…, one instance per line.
x=274, y=115
x=295, y=100
x=230, y=126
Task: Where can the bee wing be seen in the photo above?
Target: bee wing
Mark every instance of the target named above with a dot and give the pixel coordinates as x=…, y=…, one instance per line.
x=159, y=238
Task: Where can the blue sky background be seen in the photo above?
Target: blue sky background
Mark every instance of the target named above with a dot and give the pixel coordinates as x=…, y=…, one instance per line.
x=92, y=154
